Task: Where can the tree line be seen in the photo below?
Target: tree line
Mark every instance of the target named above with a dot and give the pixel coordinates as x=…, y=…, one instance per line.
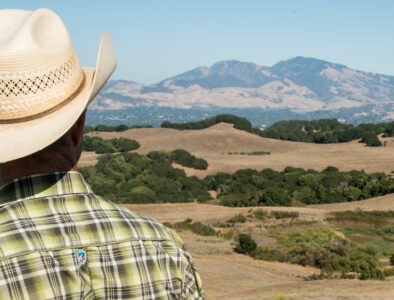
x=326, y=131
x=294, y=186
x=321, y=131
x=151, y=178
x=101, y=146
x=108, y=128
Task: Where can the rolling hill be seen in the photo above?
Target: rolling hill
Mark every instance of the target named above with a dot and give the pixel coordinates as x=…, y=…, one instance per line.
x=214, y=144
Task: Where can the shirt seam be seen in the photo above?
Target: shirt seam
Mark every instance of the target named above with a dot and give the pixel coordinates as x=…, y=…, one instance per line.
x=82, y=246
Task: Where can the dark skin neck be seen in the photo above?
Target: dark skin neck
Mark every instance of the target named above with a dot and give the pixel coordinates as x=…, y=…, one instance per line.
x=60, y=156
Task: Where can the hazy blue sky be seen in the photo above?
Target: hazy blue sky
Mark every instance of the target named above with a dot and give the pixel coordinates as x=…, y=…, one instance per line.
x=158, y=39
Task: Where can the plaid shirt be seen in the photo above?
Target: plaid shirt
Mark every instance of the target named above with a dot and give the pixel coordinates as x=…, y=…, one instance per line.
x=60, y=241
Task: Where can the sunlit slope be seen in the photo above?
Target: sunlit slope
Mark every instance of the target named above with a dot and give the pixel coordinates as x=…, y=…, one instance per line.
x=215, y=143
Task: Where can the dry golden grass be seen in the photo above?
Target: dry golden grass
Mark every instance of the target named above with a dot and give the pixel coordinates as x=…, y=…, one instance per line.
x=228, y=275
x=215, y=142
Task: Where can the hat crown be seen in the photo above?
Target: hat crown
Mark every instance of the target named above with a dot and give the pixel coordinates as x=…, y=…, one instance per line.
x=38, y=65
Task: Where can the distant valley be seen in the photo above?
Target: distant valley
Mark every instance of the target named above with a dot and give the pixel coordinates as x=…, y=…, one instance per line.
x=298, y=88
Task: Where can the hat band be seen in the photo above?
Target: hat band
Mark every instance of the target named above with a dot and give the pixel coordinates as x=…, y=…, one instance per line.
x=48, y=111
x=23, y=94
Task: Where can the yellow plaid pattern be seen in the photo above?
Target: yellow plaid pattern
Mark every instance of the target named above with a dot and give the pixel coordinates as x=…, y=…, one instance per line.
x=45, y=220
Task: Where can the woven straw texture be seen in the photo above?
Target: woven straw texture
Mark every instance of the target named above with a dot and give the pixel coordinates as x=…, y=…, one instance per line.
x=34, y=81
x=43, y=88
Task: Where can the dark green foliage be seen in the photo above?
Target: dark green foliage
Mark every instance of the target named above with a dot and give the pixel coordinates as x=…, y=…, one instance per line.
x=239, y=123
x=118, y=177
x=392, y=259
x=181, y=157
x=327, y=131
x=259, y=153
x=102, y=146
x=124, y=145
x=321, y=276
x=197, y=227
x=389, y=130
x=249, y=153
x=325, y=250
x=185, y=159
x=107, y=128
x=246, y=245
x=135, y=178
x=370, y=139
x=271, y=188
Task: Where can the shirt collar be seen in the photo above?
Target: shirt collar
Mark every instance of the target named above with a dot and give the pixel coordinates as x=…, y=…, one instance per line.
x=44, y=185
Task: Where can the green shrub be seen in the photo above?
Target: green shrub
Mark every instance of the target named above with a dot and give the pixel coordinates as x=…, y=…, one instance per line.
x=324, y=249
x=124, y=145
x=285, y=214
x=259, y=153
x=239, y=218
x=260, y=213
x=320, y=276
x=246, y=244
x=185, y=159
x=197, y=227
x=228, y=235
x=388, y=272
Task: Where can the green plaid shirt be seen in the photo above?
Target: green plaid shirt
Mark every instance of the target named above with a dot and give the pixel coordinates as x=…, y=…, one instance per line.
x=60, y=241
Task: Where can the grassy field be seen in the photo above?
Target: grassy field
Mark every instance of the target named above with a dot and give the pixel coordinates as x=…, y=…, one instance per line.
x=229, y=275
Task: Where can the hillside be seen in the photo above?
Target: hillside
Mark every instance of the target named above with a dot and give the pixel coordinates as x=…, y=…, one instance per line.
x=230, y=275
x=214, y=143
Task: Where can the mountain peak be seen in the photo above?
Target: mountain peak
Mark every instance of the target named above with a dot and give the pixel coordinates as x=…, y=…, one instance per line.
x=234, y=67
x=305, y=62
x=224, y=73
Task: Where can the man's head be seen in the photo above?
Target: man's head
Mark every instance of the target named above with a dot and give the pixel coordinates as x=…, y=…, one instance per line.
x=44, y=92
x=62, y=155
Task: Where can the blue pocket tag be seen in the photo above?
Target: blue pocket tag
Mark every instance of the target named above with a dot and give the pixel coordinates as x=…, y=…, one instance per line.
x=81, y=257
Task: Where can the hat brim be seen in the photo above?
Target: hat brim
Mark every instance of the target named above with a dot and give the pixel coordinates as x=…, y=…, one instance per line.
x=21, y=139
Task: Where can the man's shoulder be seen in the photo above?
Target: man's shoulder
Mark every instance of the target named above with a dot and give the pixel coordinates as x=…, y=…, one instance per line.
x=74, y=221
x=145, y=227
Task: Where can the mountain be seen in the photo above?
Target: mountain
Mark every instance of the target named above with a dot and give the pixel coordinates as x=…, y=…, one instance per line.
x=299, y=85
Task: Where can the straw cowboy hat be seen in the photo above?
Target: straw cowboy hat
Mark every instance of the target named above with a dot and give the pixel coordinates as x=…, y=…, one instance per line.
x=43, y=89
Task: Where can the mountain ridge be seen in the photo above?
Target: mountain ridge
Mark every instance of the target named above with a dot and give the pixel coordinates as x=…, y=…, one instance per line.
x=300, y=84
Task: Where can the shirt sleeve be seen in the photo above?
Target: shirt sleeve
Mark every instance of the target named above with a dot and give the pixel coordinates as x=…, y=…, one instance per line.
x=192, y=286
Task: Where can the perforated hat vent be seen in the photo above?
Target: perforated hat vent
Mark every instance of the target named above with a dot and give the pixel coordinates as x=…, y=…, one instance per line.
x=51, y=74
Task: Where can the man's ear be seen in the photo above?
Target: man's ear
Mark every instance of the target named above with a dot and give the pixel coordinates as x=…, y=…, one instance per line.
x=77, y=130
